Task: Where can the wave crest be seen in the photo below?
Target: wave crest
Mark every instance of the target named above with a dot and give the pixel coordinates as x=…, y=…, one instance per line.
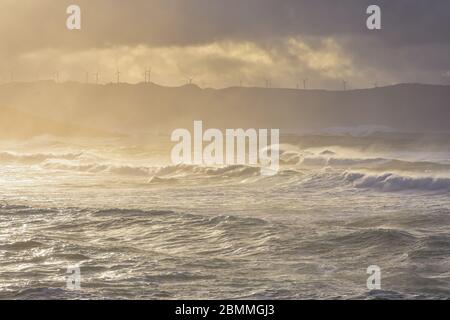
x=34, y=158
x=394, y=182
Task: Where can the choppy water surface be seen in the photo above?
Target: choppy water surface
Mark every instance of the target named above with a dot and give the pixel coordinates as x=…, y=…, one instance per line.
x=142, y=230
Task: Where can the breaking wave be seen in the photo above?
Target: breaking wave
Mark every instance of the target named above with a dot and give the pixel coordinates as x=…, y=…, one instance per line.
x=396, y=182
x=158, y=174
x=34, y=158
x=372, y=163
x=99, y=168
x=226, y=171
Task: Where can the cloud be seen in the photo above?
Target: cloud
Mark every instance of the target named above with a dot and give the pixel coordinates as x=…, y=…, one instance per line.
x=218, y=64
x=250, y=39
x=183, y=22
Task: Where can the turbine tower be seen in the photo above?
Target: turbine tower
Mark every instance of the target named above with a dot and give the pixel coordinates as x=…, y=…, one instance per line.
x=304, y=83
x=148, y=75
x=96, y=77
x=345, y=85
x=118, y=76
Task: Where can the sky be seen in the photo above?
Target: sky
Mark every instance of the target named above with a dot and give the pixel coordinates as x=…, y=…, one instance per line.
x=222, y=43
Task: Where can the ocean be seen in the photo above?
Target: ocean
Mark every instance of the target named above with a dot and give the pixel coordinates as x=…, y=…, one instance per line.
x=139, y=227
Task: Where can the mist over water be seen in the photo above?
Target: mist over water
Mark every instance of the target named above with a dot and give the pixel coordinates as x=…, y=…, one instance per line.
x=139, y=227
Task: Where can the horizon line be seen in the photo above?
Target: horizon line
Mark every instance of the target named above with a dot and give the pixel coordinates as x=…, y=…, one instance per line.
x=194, y=85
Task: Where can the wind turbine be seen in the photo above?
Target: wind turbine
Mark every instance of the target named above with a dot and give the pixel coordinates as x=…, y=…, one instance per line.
x=345, y=85
x=96, y=77
x=445, y=77
x=304, y=83
x=148, y=75
x=118, y=76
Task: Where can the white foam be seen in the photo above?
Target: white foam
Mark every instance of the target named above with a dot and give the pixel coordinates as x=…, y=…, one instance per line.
x=395, y=182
